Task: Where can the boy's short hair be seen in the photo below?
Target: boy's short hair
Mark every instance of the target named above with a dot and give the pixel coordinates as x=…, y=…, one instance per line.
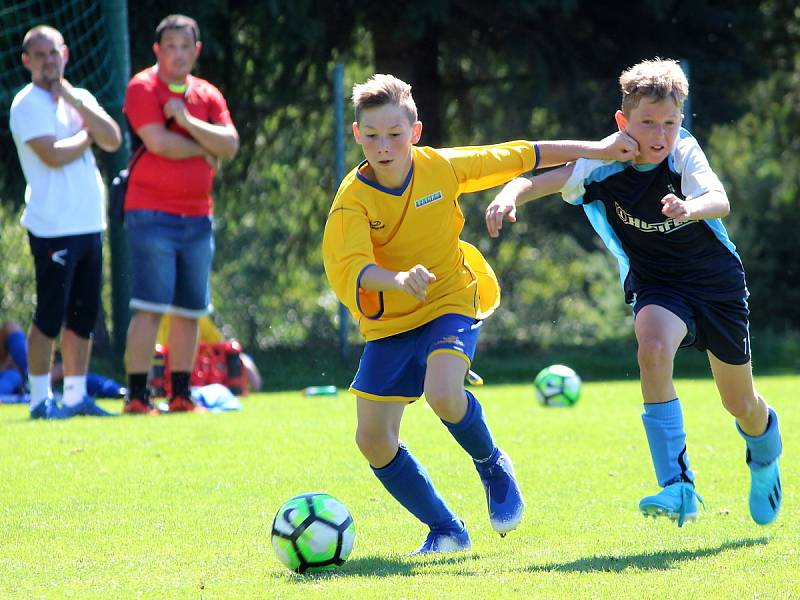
x=41, y=31
x=177, y=22
x=381, y=89
x=658, y=79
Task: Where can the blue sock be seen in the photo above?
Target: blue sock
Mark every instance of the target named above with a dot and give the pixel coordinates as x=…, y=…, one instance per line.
x=763, y=449
x=98, y=386
x=10, y=382
x=409, y=483
x=18, y=349
x=663, y=424
x=472, y=432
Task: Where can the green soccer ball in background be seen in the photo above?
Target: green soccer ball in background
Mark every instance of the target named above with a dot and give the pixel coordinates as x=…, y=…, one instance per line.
x=557, y=385
x=313, y=532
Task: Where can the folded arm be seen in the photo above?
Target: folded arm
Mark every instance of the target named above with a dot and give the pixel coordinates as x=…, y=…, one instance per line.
x=413, y=282
x=57, y=153
x=711, y=205
x=220, y=140
x=101, y=127
x=159, y=140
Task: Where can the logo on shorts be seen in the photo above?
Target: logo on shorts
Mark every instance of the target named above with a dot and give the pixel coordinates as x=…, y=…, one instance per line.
x=59, y=256
x=376, y=225
x=425, y=200
x=451, y=340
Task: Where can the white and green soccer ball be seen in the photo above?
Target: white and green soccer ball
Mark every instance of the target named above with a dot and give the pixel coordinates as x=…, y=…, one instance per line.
x=557, y=385
x=313, y=532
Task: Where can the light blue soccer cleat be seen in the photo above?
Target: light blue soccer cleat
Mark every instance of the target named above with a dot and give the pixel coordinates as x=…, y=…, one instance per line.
x=765, y=492
x=503, y=496
x=450, y=540
x=86, y=408
x=49, y=409
x=677, y=501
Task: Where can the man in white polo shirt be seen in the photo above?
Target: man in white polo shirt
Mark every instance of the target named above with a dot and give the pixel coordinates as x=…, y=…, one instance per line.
x=54, y=126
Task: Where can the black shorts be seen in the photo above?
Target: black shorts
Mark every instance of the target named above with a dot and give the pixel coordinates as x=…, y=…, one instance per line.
x=68, y=278
x=719, y=326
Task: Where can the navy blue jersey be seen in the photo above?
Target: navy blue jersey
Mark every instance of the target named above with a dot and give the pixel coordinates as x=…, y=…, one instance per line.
x=623, y=204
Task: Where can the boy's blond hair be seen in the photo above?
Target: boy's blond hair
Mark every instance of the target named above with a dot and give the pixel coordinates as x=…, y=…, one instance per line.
x=657, y=79
x=381, y=89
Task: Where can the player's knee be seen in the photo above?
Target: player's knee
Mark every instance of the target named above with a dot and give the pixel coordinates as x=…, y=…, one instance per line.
x=376, y=445
x=444, y=397
x=741, y=405
x=654, y=353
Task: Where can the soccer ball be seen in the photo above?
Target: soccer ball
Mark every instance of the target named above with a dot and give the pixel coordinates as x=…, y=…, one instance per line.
x=313, y=532
x=557, y=385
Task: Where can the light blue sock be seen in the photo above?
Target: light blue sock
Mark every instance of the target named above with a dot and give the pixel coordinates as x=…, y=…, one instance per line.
x=409, y=483
x=18, y=349
x=763, y=449
x=472, y=432
x=663, y=424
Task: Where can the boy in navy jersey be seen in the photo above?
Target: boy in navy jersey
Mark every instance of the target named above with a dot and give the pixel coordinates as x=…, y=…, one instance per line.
x=660, y=216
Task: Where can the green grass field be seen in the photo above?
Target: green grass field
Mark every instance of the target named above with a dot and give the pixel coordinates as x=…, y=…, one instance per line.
x=181, y=506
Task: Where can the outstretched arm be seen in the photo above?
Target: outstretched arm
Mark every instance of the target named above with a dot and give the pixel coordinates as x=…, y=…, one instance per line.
x=521, y=190
x=618, y=146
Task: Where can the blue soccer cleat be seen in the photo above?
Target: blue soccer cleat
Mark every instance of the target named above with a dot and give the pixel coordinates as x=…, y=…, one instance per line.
x=765, y=492
x=49, y=409
x=677, y=501
x=449, y=540
x=86, y=408
x=503, y=496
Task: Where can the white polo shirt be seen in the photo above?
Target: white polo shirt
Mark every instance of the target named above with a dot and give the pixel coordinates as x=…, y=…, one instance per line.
x=59, y=201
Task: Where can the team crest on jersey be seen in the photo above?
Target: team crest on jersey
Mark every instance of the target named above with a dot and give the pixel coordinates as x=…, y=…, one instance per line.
x=376, y=224
x=425, y=200
x=667, y=226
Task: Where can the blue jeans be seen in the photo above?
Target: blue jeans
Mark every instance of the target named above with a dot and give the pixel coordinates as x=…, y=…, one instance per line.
x=170, y=262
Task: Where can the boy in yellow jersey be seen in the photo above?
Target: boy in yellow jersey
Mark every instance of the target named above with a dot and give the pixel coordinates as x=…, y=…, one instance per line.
x=393, y=256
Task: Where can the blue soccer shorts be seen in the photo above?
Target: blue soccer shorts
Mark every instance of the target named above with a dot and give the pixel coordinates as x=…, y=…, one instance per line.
x=392, y=369
x=718, y=326
x=69, y=272
x=170, y=262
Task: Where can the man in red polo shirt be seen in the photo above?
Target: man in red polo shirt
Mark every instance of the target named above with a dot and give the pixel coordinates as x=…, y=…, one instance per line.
x=186, y=129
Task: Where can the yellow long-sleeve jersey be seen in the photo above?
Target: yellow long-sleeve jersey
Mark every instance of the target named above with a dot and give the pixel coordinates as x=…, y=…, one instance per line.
x=418, y=224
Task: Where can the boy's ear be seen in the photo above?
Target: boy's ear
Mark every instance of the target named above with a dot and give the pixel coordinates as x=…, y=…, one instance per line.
x=622, y=122
x=416, y=132
x=356, y=133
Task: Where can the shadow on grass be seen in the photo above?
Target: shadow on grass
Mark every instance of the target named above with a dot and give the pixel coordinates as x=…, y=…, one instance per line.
x=656, y=561
x=391, y=566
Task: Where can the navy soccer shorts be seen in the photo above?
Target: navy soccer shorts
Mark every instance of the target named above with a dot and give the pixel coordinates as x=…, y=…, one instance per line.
x=392, y=369
x=68, y=277
x=719, y=326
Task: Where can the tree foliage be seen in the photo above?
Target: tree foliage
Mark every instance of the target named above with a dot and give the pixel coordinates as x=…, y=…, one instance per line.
x=481, y=73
